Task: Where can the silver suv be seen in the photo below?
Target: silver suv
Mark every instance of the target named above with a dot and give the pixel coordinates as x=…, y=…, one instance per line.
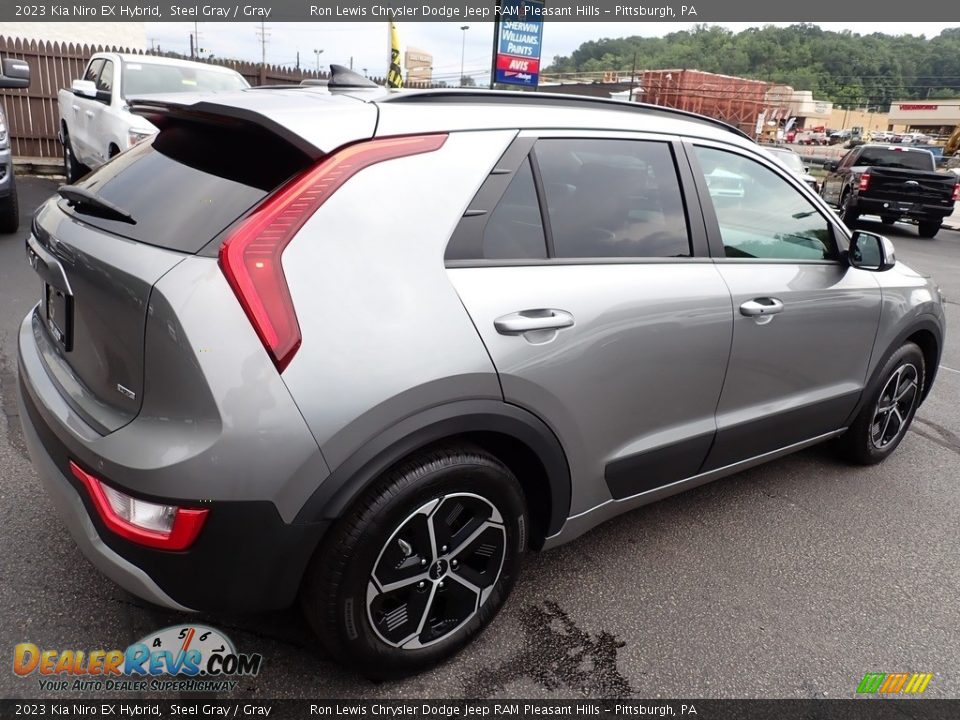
x=365, y=349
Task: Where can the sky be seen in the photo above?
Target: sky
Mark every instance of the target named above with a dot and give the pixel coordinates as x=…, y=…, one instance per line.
x=366, y=42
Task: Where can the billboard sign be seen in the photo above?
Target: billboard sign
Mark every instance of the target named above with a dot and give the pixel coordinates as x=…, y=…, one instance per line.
x=518, y=38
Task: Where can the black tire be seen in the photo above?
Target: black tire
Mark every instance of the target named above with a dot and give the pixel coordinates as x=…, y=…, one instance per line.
x=72, y=168
x=848, y=214
x=859, y=444
x=889, y=220
x=10, y=210
x=335, y=588
x=928, y=229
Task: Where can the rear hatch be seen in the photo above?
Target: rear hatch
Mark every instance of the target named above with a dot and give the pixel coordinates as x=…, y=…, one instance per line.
x=169, y=197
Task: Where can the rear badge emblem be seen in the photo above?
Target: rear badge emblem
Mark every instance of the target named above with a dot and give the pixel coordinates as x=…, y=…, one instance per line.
x=126, y=391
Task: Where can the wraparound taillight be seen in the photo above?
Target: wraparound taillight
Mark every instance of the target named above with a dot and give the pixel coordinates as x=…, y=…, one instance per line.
x=864, y=182
x=250, y=256
x=167, y=527
x=956, y=192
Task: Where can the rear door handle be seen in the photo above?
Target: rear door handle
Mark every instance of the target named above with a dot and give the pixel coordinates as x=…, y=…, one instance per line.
x=526, y=320
x=761, y=306
x=89, y=113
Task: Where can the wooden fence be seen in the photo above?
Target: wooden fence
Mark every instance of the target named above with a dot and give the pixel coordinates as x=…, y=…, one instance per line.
x=32, y=113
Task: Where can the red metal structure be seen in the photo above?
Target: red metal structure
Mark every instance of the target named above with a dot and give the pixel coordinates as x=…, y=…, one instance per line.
x=735, y=100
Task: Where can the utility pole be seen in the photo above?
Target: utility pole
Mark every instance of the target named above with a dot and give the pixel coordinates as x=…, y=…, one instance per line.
x=463, y=49
x=196, y=36
x=633, y=75
x=318, y=53
x=193, y=53
x=262, y=32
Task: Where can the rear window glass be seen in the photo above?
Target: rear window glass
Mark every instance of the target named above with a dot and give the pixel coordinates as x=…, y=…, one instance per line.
x=188, y=183
x=883, y=157
x=143, y=78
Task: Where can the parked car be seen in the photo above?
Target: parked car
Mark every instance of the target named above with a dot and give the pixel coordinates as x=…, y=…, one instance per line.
x=317, y=389
x=14, y=73
x=95, y=120
x=914, y=138
x=883, y=136
x=794, y=163
x=893, y=182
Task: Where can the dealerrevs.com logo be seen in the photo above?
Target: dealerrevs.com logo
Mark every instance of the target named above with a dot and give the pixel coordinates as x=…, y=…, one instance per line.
x=181, y=658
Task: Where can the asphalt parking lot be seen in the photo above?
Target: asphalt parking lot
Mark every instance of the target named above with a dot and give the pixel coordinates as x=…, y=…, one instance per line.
x=789, y=580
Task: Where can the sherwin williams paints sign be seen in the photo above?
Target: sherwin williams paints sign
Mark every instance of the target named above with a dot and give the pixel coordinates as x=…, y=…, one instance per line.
x=519, y=37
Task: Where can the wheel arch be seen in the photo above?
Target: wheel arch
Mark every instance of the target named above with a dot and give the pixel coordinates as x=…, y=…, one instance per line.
x=927, y=334
x=519, y=439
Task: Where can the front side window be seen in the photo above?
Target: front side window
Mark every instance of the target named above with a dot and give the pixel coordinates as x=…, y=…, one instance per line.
x=93, y=70
x=760, y=214
x=612, y=198
x=105, y=80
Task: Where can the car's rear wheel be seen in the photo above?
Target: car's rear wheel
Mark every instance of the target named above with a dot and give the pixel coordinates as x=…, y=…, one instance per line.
x=888, y=410
x=928, y=229
x=847, y=213
x=420, y=563
x=10, y=211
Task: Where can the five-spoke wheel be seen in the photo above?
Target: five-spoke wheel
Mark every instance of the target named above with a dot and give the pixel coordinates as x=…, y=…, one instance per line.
x=436, y=570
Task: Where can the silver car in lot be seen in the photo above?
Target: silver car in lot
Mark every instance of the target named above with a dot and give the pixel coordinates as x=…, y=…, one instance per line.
x=365, y=349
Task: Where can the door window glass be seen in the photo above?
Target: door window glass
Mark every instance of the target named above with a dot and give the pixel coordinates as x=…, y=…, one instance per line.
x=760, y=214
x=612, y=198
x=105, y=80
x=93, y=71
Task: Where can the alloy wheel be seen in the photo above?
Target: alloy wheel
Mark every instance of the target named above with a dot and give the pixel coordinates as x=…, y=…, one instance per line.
x=894, y=406
x=436, y=570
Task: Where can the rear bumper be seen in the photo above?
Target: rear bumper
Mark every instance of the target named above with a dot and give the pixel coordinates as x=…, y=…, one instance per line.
x=246, y=558
x=873, y=206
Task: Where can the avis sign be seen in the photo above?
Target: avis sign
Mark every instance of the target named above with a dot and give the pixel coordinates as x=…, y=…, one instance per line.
x=519, y=36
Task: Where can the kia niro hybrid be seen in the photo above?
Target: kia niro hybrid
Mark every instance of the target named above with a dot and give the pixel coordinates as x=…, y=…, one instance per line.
x=362, y=350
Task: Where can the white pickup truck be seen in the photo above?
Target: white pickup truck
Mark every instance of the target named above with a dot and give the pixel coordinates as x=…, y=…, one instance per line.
x=95, y=122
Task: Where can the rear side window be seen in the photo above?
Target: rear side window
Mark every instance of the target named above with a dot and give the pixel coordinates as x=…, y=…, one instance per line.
x=515, y=228
x=612, y=198
x=189, y=182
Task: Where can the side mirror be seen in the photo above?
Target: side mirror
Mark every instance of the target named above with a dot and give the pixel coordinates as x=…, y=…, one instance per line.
x=86, y=88
x=14, y=73
x=830, y=166
x=869, y=251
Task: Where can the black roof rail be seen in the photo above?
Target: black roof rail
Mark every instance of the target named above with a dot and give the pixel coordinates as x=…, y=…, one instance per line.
x=550, y=99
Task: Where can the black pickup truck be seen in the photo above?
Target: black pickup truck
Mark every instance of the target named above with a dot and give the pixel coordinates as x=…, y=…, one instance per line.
x=893, y=182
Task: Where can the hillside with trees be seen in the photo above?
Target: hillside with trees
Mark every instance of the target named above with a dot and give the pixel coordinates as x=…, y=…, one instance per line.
x=845, y=67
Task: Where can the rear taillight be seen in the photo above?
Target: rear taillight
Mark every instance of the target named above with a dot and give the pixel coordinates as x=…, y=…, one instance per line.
x=250, y=256
x=956, y=192
x=864, y=182
x=167, y=527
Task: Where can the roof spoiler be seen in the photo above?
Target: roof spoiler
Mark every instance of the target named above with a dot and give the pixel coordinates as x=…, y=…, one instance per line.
x=161, y=111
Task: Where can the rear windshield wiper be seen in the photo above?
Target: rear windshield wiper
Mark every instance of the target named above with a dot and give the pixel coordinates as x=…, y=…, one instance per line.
x=83, y=199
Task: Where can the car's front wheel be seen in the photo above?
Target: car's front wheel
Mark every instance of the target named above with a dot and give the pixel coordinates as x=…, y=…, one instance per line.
x=888, y=410
x=72, y=168
x=420, y=563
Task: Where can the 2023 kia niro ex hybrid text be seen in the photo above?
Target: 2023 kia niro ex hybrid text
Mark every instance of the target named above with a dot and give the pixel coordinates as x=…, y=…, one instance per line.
x=366, y=349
